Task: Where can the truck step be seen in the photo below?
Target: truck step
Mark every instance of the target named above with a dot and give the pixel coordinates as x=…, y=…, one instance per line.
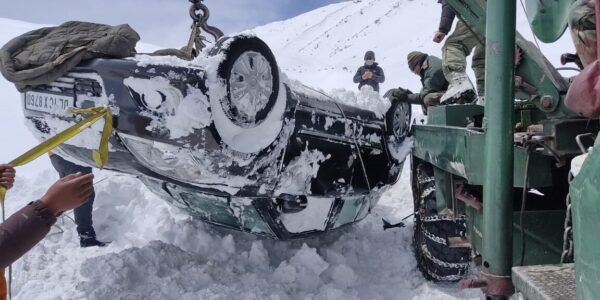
x=545, y=282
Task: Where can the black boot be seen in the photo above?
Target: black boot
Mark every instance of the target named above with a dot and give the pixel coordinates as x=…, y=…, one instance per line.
x=88, y=239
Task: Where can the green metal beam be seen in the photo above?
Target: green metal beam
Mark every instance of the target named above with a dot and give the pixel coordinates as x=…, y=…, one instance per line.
x=543, y=235
x=534, y=68
x=498, y=150
x=458, y=150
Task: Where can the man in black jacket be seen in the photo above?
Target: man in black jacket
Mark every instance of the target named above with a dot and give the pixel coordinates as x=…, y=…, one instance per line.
x=370, y=73
x=83, y=213
x=458, y=46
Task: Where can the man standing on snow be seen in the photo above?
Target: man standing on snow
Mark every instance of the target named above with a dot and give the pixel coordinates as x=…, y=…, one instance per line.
x=370, y=73
x=458, y=46
x=83, y=213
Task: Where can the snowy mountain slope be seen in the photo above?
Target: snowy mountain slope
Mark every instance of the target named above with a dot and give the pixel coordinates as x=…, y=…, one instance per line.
x=325, y=47
x=158, y=252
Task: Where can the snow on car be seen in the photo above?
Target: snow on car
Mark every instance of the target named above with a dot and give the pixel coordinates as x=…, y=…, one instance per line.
x=228, y=139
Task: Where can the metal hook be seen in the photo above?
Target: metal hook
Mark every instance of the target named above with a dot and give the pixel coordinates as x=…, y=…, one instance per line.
x=200, y=15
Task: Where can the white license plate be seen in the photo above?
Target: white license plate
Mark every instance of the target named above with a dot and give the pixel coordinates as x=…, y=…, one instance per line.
x=48, y=103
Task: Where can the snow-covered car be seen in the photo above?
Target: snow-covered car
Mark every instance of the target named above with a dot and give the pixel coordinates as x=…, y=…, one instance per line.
x=231, y=141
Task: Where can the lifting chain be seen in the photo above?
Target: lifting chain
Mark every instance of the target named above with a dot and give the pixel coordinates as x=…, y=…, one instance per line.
x=568, y=245
x=567, y=254
x=200, y=14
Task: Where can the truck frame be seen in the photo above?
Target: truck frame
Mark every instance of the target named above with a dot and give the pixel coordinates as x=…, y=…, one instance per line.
x=490, y=183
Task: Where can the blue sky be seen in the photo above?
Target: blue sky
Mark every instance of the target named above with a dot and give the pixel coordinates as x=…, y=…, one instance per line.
x=162, y=22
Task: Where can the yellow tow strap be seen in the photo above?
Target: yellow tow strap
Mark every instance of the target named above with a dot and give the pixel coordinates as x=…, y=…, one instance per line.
x=100, y=156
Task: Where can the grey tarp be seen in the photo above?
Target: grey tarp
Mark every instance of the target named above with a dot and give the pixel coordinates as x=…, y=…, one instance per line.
x=43, y=55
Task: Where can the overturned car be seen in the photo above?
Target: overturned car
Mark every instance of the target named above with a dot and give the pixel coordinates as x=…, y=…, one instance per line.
x=228, y=139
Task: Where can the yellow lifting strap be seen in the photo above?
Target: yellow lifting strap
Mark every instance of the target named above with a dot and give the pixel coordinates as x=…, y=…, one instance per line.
x=100, y=156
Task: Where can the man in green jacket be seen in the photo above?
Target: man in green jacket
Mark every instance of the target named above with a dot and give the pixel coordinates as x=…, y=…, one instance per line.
x=429, y=68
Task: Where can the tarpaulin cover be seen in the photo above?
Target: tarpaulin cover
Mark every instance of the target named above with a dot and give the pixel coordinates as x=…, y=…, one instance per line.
x=43, y=55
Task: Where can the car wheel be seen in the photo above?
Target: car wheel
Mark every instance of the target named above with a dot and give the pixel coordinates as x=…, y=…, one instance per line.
x=248, y=117
x=398, y=120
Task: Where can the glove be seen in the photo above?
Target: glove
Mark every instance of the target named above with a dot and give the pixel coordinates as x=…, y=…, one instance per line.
x=400, y=92
x=396, y=93
x=571, y=58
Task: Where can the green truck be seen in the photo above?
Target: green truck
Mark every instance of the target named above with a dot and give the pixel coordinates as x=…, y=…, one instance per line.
x=493, y=185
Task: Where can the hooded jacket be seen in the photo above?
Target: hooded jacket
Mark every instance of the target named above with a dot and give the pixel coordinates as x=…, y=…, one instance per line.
x=378, y=76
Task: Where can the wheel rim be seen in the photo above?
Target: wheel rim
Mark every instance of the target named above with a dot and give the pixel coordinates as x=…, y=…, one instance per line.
x=251, y=86
x=401, y=120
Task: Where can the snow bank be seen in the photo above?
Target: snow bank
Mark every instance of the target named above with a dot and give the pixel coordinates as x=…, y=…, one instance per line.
x=158, y=252
x=366, y=98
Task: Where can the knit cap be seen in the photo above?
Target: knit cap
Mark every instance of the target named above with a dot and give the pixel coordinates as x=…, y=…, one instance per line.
x=370, y=55
x=415, y=59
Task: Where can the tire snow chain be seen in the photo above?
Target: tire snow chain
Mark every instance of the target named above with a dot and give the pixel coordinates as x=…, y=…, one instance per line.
x=437, y=277
x=445, y=278
x=436, y=218
x=442, y=263
x=425, y=180
x=427, y=192
x=433, y=237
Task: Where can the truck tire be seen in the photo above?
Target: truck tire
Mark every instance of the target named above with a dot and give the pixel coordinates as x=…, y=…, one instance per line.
x=435, y=258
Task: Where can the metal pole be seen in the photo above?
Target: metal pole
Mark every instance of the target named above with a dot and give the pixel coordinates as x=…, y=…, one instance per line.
x=499, y=152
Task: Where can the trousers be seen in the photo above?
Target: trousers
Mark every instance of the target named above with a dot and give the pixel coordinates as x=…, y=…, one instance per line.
x=83, y=214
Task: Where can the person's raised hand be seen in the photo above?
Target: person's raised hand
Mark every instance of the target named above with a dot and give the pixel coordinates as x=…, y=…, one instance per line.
x=438, y=37
x=7, y=176
x=69, y=192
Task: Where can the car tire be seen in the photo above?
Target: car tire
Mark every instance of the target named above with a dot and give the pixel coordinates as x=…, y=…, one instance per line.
x=398, y=119
x=436, y=260
x=249, y=117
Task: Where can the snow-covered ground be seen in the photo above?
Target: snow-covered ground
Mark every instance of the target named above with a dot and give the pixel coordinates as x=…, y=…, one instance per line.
x=158, y=252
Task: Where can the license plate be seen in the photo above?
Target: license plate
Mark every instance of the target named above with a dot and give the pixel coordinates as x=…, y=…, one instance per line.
x=48, y=103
